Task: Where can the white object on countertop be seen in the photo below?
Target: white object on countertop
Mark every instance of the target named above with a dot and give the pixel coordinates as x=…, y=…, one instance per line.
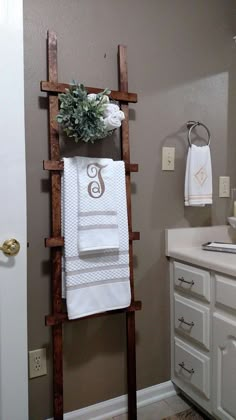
x=198, y=177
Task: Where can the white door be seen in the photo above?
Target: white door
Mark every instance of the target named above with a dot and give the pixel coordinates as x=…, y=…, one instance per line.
x=224, y=367
x=13, y=327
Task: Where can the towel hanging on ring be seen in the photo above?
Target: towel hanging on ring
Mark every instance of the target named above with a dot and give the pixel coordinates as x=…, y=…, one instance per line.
x=198, y=175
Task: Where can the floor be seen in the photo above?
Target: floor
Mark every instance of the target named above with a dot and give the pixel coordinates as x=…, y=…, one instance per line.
x=160, y=410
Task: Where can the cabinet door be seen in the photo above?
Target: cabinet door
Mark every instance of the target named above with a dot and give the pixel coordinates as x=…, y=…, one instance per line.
x=224, y=367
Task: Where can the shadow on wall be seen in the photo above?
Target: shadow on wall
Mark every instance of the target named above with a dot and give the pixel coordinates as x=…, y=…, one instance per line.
x=154, y=316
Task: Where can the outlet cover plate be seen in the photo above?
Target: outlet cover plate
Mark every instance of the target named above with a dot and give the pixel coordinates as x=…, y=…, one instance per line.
x=168, y=158
x=37, y=363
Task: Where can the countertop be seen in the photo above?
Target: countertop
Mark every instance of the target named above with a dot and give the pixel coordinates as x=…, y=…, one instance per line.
x=185, y=245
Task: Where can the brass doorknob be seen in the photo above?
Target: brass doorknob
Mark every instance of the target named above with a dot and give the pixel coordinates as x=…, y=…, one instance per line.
x=10, y=247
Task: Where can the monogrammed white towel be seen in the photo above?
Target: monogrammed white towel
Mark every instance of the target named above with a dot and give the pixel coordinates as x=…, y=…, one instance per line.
x=94, y=282
x=198, y=177
x=97, y=213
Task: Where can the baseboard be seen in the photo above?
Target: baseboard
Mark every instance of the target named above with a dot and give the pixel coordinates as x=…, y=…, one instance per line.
x=116, y=406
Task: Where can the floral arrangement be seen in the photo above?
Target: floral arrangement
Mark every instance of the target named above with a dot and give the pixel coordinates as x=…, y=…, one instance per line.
x=88, y=117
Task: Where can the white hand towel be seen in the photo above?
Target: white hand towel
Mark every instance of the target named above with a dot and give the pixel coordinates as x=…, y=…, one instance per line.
x=99, y=282
x=198, y=177
x=94, y=97
x=110, y=109
x=98, y=228
x=120, y=114
x=112, y=122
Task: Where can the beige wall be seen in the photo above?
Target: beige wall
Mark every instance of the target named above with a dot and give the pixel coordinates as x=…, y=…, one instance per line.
x=182, y=64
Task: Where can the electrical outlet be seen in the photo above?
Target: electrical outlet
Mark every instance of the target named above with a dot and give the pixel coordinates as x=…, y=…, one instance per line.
x=224, y=186
x=37, y=363
x=168, y=158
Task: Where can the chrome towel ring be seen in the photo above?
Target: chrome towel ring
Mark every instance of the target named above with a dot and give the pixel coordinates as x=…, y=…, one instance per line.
x=191, y=125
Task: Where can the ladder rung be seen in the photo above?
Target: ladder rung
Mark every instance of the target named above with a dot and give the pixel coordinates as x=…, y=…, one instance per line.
x=54, y=87
x=59, y=241
x=55, y=165
x=55, y=319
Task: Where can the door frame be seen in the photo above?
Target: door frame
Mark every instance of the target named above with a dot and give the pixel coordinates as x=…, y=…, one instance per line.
x=13, y=270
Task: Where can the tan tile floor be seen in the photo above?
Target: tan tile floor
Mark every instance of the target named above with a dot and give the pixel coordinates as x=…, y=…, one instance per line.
x=159, y=410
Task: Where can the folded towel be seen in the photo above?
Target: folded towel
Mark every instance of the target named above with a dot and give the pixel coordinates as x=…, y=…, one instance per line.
x=198, y=177
x=97, y=226
x=94, y=97
x=94, y=283
x=110, y=109
x=112, y=122
x=120, y=114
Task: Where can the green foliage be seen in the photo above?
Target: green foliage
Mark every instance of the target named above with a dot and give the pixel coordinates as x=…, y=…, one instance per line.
x=81, y=118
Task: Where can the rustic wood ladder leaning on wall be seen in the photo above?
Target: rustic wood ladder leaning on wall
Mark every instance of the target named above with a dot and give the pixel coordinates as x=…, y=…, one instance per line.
x=56, y=242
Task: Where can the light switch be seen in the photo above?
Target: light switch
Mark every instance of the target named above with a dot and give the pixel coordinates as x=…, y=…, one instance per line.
x=168, y=158
x=224, y=186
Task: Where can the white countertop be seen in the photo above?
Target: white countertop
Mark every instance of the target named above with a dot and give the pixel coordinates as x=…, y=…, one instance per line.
x=185, y=245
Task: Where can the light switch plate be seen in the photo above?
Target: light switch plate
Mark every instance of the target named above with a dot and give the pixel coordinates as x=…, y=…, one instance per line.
x=37, y=363
x=224, y=186
x=168, y=158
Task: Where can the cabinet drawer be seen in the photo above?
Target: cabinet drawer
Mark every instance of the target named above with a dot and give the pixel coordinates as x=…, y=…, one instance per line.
x=192, y=280
x=192, y=320
x=192, y=367
x=225, y=291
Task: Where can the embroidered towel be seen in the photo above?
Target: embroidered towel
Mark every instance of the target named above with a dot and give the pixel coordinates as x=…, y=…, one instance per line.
x=95, y=282
x=198, y=177
x=97, y=228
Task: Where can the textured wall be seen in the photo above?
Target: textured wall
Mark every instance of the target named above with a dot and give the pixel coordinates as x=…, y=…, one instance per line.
x=182, y=64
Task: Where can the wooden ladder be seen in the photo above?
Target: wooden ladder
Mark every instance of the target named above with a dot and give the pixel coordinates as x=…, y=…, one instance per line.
x=56, y=241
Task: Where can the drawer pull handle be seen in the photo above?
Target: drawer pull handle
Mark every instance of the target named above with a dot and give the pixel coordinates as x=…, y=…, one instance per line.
x=190, y=324
x=185, y=281
x=191, y=371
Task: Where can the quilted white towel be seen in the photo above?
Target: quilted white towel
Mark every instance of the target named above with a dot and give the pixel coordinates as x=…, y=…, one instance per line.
x=95, y=282
x=97, y=227
x=198, y=177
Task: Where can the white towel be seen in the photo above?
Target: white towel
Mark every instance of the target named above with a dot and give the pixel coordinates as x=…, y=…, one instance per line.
x=97, y=227
x=198, y=177
x=113, y=121
x=94, y=97
x=110, y=109
x=99, y=282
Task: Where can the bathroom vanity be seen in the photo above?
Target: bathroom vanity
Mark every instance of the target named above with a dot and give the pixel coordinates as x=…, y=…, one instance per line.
x=203, y=319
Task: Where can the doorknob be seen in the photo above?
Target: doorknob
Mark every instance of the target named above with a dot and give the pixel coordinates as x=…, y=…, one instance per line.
x=10, y=247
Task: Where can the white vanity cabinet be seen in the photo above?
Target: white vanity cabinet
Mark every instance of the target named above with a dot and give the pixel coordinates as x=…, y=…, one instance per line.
x=203, y=337
x=224, y=366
